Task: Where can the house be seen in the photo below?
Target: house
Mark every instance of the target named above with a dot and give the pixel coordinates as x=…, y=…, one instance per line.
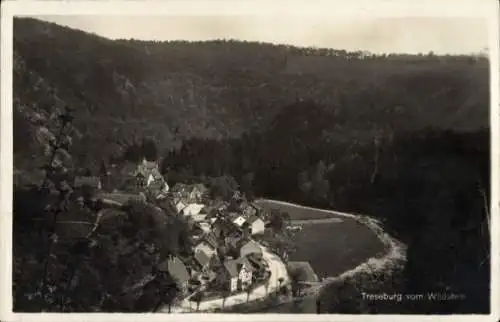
x=91, y=182
x=148, y=173
x=198, y=192
x=199, y=218
x=204, y=247
x=176, y=268
x=205, y=227
x=260, y=267
x=207, y=244
x=158, y=185
x=228, y=275
x=202, y=259
x=211, y=239
x=239, y=221
x=258, y=209
x=192, y=209
x=257, y=225
x=250, y=247
x=179, y=206
x=140, y=181
x=235, y=274
x=245, y=271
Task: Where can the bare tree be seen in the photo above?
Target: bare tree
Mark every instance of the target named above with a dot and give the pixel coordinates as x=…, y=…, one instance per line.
x=52, y=175
x=248, y=290
x=487, y=215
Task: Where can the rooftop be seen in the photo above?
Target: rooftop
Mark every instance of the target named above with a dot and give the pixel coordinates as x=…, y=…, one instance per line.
x=176, y=268
x=201, y=258
x=253, y=219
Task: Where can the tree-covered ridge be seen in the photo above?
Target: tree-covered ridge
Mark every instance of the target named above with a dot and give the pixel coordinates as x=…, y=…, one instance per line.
x=126, y=90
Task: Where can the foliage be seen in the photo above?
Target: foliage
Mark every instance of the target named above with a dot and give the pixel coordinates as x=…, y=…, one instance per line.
x=127, y=91
x=223, y=187
x=114, y=268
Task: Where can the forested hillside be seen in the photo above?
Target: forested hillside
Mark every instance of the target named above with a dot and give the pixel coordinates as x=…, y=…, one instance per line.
x=126, y=90
x=400, y=137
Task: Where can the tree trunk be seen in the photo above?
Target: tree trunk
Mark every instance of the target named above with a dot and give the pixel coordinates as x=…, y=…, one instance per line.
x=375, y=167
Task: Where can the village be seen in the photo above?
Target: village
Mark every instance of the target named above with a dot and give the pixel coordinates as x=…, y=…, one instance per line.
x=229, y=258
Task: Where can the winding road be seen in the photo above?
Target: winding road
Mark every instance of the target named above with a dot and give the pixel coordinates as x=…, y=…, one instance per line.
x=278, y=270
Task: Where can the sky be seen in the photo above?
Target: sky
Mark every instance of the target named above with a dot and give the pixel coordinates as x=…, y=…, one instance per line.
x=377, y=35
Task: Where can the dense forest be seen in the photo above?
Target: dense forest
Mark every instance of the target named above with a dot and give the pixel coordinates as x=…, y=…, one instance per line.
x=404, y=138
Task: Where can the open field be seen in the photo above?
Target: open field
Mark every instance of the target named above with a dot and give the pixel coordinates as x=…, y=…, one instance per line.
x=334, y=247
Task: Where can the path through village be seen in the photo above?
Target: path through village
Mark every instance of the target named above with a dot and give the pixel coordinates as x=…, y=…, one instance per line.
x=278, y=271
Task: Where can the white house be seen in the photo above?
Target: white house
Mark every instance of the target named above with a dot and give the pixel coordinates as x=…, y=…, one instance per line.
x=199, y=217
x=205, y=247
x=251, y=247
x=239, y=221
x=205, y=227
x=179, y=206
x=257, y=225
x=193, y=209
x=245, y=273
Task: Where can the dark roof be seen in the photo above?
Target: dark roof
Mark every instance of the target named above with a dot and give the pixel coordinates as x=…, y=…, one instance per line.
x=201, y=258
x=231, y=267
x=256, y=262
x=87, y=181
x=211, y=239
x=250, y=243
x=176, y=268
x=244, y=261
x=256, y=206
x=253, y=219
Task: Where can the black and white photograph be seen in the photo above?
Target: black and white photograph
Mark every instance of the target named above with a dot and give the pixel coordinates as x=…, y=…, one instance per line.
x=251, y=162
